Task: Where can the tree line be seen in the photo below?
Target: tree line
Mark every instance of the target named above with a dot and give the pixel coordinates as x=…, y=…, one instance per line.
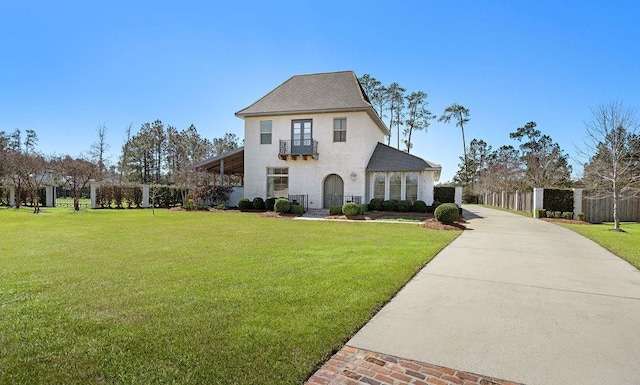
x=156, y=154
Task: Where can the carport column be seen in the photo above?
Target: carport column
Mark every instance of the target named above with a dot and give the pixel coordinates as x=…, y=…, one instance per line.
x=538, y=200
x=145, y=196
x=503, y=199
x=50, y=196
x=577, y=202
x=458, y=197
x=94, y=195
x=12, y=196
x=221, y=172
x=517, y=200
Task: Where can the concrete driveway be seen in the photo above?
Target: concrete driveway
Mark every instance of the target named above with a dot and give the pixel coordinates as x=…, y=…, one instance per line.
x=519, y=299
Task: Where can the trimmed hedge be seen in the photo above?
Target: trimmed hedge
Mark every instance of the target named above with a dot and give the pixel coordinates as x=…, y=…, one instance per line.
x=447, y=213
x=258, y=203
x=244, y=204
x=558, y=200
x=444, y=194
x=282, y=206
x=363, y=208
x=350, y=209
x=404, y=206
x=390, y=205
x=419, y=207
x=375, y=204
x=335, y=210
x=433, y=207
x=269, y=203
x=296, y=209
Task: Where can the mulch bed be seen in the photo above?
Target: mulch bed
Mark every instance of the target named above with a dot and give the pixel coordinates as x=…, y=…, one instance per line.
x=433, y=224
x=562, y=220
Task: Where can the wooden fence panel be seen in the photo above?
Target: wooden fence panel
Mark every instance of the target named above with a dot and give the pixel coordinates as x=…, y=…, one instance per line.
x=601, y=210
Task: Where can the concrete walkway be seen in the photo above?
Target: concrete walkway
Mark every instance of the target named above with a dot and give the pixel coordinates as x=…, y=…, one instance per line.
x=519, y=299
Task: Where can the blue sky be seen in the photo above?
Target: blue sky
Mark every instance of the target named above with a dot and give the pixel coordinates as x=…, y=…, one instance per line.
x=68, y=66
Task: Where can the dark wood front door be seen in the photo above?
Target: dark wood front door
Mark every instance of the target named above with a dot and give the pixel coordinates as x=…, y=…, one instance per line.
x=333, y=191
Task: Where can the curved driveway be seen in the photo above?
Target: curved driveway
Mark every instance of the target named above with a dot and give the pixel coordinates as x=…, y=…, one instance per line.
x=519, y=299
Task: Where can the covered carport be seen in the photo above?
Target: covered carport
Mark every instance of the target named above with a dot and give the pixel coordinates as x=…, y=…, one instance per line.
x=226, y=168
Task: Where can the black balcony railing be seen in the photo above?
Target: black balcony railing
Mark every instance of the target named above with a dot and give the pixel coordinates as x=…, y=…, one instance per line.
x=302, y=147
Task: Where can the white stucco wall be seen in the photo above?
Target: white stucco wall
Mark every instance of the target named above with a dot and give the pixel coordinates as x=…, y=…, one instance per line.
x=306, y=177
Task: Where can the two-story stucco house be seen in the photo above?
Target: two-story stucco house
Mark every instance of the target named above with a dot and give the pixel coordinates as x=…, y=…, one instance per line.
x=317, y=137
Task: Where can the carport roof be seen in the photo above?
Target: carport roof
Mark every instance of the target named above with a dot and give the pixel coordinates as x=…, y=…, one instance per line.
x=233, y=162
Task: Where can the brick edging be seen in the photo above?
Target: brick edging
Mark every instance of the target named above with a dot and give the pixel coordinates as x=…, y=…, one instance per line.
x=353, y=366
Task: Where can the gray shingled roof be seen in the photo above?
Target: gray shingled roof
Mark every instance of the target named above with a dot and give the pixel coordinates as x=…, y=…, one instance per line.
x=385, y=158
x=324, y=92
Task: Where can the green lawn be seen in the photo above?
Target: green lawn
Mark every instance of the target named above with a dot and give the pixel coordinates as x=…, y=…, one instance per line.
x=625, y=244
x=121, y=296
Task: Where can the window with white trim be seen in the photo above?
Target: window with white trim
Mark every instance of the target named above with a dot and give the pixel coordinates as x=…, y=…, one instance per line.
x=395, y=186
x=265, y=132
x=277, y=182
x=411, y=186
x=340, y=130
x=378, y=185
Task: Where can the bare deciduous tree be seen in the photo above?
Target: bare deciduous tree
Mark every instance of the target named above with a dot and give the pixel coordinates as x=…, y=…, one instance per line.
x=612, y=150
x=98, y=150
x=76, y=174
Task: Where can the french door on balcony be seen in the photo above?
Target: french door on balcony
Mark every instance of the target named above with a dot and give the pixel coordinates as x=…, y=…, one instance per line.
x=301, y=137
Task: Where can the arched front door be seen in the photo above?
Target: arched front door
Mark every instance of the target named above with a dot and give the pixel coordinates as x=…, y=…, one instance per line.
x=333, y=191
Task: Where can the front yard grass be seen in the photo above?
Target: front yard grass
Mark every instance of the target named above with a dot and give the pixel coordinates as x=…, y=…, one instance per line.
x=121, y=296
x=625, y=244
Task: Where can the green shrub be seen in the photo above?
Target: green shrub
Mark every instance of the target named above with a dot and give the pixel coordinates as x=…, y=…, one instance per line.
x=404, y=206
x=296, y=209
x=557, y=214
x=222, y=206
x=244, y=204
x=258, y=203
x=363, y=208
x=447, y=213
x=335, y=210
x=390, y=205
x=581, y=216
x=434, y=206
x=202, y=207
x=375, y=204
x=189, y=205
x=541, y=213
x=444, y=194
x=282, y=206
x=419, y=207
x=269, y=203
x=350, y=209
x=567, y=215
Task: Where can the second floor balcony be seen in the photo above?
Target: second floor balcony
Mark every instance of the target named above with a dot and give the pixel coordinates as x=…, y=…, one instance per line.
x=292, y=149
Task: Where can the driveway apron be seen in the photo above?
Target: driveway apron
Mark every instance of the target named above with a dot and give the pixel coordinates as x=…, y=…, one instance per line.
x=520, y=299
